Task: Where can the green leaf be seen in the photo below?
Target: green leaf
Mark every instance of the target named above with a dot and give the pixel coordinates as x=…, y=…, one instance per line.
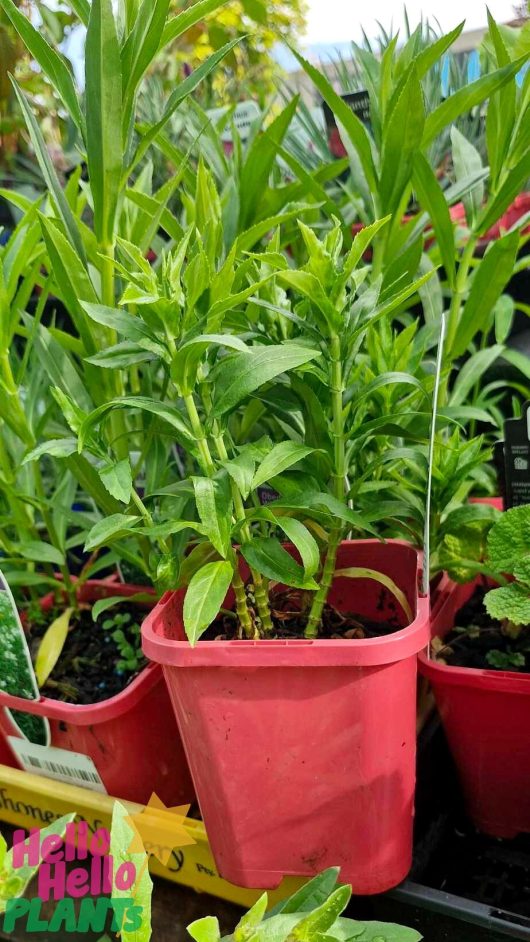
x=188, y=357
x=204, y=597
x=489, y=281
x=433, y=200
x=188, y=18
x=139, y=50
x=120, y=356
x=249, y=923
x=56, y=447
x=267, y=555
x=472, y=372
x=259, y=162
x=311, y=895
x=40, y=552
x=72, y=279
x=510, y=603
x=167, y=413
x=117, y=478
x=512, y=186
x=401, y=142
x=205, y=929
x=305, y=543
x=121, y=838
x=466, y=98
x=350, y=122
x=241, y=470
x=503, y=312
x=509, y=539
x=322, y=918
x=213, y=507
x=178, y=96
x=52, y=64
x=51, y=646
x=240, y=375
x=110, y=529
x=467, y=161
x=49, y=173
x=130, y=325
x=282, y=456
x=103, y=103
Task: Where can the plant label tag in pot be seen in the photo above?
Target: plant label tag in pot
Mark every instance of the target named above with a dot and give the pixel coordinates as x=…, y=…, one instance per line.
x=73, y=768
x=17, y=676
x=517, y=459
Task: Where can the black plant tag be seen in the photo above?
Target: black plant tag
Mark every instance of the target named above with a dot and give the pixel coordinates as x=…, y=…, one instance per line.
x=517, y=459
x=267, y=495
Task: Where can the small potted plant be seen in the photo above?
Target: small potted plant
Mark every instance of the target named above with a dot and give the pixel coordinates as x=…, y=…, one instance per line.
x=294, y=662
x=479, y=669
x=315, y=909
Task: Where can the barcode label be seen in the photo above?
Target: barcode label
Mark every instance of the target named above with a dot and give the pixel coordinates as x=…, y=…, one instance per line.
x=74, y=768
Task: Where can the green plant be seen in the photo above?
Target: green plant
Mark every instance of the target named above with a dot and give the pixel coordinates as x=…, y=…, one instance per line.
x=509, y=554
x=126, y=634
x=312, y=913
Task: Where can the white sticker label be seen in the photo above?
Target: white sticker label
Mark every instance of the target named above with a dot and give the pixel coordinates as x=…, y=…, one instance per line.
x=74, y=768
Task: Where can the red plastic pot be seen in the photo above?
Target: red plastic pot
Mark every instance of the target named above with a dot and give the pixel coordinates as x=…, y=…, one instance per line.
x=303, y=752
x=134, y=753
x=486, y=717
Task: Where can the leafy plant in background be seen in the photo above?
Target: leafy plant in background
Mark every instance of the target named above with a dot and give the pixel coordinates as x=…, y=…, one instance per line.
x=509, y=555
x=312, y=912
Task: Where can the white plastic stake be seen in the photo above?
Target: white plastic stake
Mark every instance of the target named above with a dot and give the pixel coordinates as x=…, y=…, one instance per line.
x=435, y=397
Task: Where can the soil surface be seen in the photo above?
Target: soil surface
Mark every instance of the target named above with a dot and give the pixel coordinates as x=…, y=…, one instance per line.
x=289, y=610
x=479, y=641
x=89, y=668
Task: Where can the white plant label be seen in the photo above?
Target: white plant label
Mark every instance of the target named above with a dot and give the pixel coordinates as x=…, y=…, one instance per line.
x=17, y=676
x=74, y=768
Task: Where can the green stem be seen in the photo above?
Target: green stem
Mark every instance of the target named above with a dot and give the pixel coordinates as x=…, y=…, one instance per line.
x=208, y=468
x=118, y=427
x=339, y=473
x=260, y=587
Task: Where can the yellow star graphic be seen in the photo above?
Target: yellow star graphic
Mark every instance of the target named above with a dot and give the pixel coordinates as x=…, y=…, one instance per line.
x=158, y=830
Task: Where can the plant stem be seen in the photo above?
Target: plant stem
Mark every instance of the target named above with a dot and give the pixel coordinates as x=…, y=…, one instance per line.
x=260, y=587
x=208, y=467
x=108, y=296
x=339, y=472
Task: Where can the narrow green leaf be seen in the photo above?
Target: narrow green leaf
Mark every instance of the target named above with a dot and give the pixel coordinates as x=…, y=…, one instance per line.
x=489, y=281
x=466, y=98
x=214, y=512
x=117, y=478
x=40, y=552
x=307, y=546
x=168, y=413
x=56, y=447
x=241, y=374
x=401, y=142
x=499, y=203
x=49, y=173
x=103, y=103
x=185, y=20
x=467, y=161
x=204, y=597
x=110, y=529
x=282, y=456
x=433, y=200
x=267, y=555
x=353, y=126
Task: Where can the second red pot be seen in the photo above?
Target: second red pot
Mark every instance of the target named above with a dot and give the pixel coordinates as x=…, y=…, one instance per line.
x=486, y=717
x=133, y=752
x=303, y=752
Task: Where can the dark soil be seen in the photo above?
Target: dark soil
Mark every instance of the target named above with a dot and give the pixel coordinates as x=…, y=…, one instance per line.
x=289, y=617
x=479, y=640
x=88, y=670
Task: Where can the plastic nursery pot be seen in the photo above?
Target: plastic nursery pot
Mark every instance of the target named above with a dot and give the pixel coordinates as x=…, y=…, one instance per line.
x=486, y=717
x=134, y=754
x=303, y=752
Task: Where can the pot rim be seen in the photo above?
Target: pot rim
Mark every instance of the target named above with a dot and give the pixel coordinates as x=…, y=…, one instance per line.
x=295, y=652
x=104, y=710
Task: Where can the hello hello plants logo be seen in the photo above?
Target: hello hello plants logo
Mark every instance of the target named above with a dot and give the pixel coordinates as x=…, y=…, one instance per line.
x=91, y=878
